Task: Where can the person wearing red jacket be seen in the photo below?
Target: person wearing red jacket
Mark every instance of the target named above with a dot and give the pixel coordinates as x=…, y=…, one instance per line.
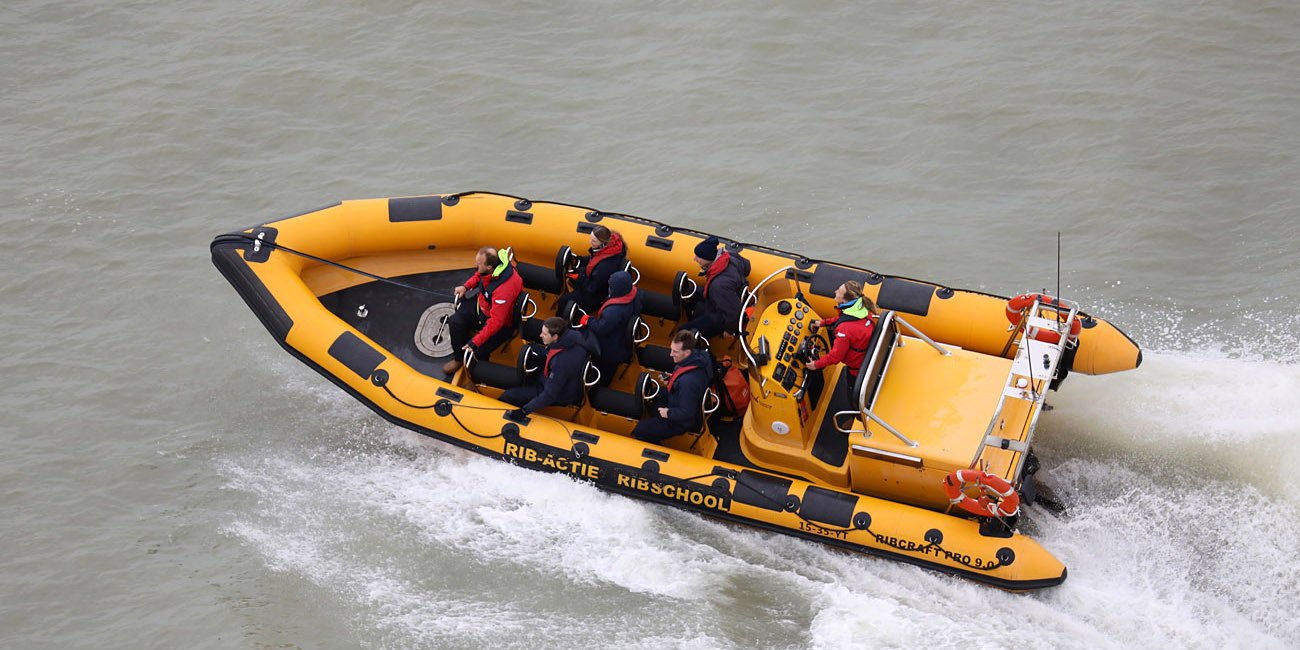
x=850, y=331
x=488, y=321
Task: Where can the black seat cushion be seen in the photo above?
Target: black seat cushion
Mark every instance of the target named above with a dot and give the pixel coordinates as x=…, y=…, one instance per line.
x=656, y=357
x=540, y=277
x=659, y=305
x=608, y=400
x=496, y=375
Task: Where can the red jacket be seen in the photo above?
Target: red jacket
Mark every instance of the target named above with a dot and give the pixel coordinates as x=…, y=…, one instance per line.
x=849, y=339
x=497, y=300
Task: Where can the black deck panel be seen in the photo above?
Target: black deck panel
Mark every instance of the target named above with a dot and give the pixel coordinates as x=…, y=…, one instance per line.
x=394, y=313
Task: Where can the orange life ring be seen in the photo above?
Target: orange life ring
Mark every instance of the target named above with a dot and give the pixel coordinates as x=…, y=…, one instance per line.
x=1020, y=303
x=1007, y=505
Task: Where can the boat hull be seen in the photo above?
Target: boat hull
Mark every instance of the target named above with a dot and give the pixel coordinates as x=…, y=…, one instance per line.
x=287, y=270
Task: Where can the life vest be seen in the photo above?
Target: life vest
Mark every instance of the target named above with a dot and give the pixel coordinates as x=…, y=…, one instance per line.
x=678, y=372
x=621, y=300
x=610, y=250
x=550, y=354
x=500, y=275
x=855, y=325
x=715, y=269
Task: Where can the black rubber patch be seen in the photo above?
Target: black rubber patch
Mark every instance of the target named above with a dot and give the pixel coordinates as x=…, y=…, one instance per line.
x=905, y=296
x=586, y=227
x=356, y=354
x=654, y=454
x=415, y=208
x=255, y=294
x=828, y=506
x=650, y=466
x=1006, y=556
x=515, y=216
x=258, y=251
x=583, y=436
x=801, y=276
x=659, y=242
x=761, y=490
x=828, y=277
x=448, y=393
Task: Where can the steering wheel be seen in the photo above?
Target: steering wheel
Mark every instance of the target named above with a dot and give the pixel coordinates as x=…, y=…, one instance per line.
x=818, y=343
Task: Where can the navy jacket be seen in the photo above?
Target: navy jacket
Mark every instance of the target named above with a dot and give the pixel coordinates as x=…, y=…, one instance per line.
x=561, y=381
x=722, y=301
x=690, y=379
x=608, y=326
x=592, y=284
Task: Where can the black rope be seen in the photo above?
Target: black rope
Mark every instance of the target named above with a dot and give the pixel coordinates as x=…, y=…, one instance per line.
x=450, y=411
x=350, y=269
x=671, y=480
x=956, y=557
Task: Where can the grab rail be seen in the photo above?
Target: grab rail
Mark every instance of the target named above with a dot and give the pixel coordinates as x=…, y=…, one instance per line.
x=1030, y=347
x=874, y=418
x=942, y=350
x=748, y=297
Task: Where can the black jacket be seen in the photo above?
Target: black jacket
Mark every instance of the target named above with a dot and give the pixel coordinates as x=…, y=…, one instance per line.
x=722, y=303
x=592, y=284
x=561, y=381
x=692, y=377
x=609, y=329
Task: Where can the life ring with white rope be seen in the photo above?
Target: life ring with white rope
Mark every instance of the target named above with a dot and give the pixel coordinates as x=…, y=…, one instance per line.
x=1007, y=505
x=1016, y=306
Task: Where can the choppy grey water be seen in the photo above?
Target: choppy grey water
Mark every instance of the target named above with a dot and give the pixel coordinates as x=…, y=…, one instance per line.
x=170, y=478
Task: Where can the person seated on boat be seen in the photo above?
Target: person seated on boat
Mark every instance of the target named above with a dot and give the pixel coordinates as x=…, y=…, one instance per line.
x=485, y=323
x=716, y=306
x=679, y=406
x=591, y=284
x=608, y=325
x=561, y=382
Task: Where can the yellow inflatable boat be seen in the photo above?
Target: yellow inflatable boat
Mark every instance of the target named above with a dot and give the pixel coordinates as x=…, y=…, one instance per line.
x=929, y=466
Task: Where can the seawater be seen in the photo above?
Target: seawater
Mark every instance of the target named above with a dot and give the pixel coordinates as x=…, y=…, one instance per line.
x=171, y=478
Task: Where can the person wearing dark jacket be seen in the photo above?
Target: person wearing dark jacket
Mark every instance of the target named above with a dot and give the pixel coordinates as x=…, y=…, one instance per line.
x=717, y=302
x=608, y=325
x=591, y=286
x=486, y=322
x=680, y=406
x=561, y=382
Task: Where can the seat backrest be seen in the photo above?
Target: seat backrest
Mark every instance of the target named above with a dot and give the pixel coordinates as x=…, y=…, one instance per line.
x=646, y=387
x=547, y=280
x=530, y=360
x=872, y=370
x=522, y=312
